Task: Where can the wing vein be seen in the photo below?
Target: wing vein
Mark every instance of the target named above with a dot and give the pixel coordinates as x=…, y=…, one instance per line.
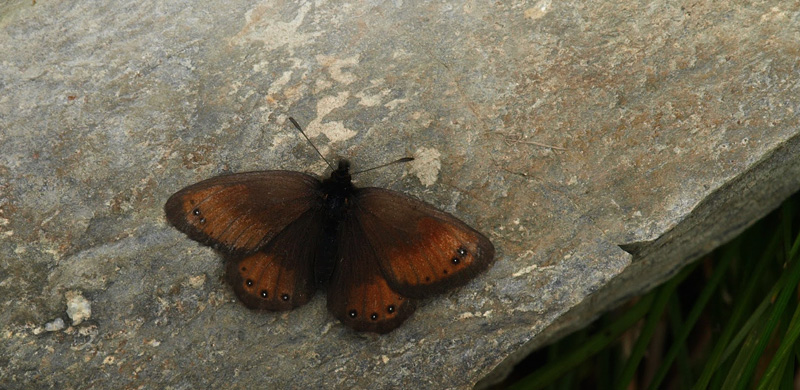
x=233, y=221
x=188, y=213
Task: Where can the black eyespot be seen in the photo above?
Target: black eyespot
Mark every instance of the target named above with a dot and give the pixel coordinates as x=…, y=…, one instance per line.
x=285, y=297
x=249, y=283
x=264, y=294
x=427, y=278
x=202, y=220
x=444, y=271
x=244, y=269
x=461, y=251
x=196, y=211
x=374, y=316
x=390, y=309
x=456, y=260
x=352, y=314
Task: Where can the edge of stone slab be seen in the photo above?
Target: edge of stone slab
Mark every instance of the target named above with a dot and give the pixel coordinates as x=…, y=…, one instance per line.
x=718, y=218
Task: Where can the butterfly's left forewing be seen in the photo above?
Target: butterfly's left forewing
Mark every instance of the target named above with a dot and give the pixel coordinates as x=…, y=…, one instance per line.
x=240, y=213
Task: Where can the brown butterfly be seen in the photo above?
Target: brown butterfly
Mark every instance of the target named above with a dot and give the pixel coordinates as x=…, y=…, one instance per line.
x=284, y=234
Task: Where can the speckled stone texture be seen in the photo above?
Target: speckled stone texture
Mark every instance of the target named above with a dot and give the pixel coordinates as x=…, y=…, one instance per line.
x=600, y=145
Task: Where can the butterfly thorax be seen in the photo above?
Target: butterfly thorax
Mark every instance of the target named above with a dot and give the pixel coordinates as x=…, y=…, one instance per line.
x=337, y=190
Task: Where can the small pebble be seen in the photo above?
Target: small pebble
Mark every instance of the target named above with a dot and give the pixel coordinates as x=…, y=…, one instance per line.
x=78, y=307
x=55, y=325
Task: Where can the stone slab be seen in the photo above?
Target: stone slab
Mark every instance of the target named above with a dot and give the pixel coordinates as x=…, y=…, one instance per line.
x=589, y=141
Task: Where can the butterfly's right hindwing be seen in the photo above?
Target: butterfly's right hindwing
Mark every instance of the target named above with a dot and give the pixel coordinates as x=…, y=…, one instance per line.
x=359, y=295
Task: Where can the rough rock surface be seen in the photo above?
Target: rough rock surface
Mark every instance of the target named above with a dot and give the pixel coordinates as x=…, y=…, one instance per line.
x=565, y=131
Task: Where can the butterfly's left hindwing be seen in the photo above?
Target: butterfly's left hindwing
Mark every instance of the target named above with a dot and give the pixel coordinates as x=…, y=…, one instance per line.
x=280, y=276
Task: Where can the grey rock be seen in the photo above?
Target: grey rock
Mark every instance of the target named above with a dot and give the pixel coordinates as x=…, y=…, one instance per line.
x=670, y=129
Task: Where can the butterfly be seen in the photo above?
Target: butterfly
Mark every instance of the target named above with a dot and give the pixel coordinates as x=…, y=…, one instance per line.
x=285, y=234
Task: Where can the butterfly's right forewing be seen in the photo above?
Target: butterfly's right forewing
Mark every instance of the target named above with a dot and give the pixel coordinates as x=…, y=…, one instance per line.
x=240, y=213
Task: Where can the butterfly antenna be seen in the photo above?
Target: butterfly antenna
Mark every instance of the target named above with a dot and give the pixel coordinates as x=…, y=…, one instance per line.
x=402, y=160
x=300, y=129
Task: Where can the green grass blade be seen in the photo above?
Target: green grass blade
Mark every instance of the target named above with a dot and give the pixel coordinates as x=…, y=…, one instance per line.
x=653, y=318
x=727, y=341
x=787, y=289
x=691, y=319
x=547, y=375
x=783, y=355
x=683, y=361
